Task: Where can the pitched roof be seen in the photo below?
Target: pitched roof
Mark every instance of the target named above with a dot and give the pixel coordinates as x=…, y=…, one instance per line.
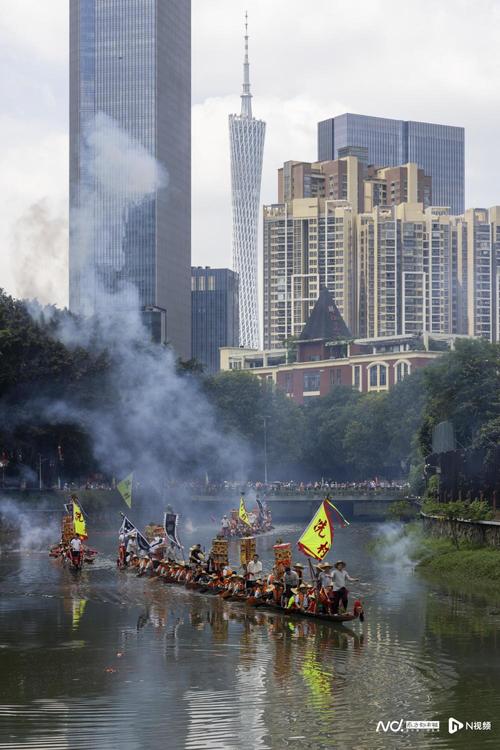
x=325, y=321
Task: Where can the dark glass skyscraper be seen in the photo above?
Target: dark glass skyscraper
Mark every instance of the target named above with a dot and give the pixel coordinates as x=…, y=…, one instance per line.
x=437, y=149
x=130, y=72
x=215, y=314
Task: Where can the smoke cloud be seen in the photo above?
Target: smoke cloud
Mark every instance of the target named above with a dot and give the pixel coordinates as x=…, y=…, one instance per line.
x=154, y=422
x=41, y=234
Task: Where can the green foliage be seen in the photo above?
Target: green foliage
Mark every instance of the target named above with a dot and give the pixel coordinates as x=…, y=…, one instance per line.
x=463, y=386
x=465, y=565
x=401, y=510
x=432, y=488
x=416, y=479
x=477, y=510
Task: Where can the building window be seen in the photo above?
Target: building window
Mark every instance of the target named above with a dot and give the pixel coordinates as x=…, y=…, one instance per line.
x=402, y=370
x=211, y=283
x=201, y=283
x=335, y=376
x=377, y=377
x=356, y=377
x=288, y=382
x=311, y=381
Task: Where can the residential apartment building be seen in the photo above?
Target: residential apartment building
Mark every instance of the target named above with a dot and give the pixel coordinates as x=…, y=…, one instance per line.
x=401, y=268
x=437, y=149
x=214, y=314
x=308, y=243
x=349, y=179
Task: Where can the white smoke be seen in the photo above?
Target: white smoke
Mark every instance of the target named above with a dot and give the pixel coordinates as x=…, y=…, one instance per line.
x=27, y=529
x=41, y=234
x=154, y=422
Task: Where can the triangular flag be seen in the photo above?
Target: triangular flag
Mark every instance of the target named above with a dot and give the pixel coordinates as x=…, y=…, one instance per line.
x=317, y=539
x=243, y=512
x=125, y=489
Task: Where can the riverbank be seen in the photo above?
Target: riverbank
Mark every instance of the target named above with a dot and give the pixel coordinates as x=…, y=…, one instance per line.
x=469, y=566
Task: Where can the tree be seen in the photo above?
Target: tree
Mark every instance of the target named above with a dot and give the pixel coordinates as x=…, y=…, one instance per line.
x=462, y=386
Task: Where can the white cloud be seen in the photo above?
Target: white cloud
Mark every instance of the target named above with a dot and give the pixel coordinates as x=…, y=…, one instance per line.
x=415, y=60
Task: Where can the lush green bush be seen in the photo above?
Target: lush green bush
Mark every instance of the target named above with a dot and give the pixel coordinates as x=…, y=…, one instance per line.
x=477, y=510
x=401, y=510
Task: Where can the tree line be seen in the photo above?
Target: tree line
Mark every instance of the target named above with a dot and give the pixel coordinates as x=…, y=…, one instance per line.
x=345, y=435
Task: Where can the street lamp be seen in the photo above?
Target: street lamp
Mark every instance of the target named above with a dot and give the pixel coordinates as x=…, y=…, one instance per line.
x=265, y=418
x=40, y=461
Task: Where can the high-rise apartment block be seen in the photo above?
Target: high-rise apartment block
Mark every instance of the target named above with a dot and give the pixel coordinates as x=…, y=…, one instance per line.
x=215, y=314
x=349, y=179
x=130, y=60
x=394, y=264
x=246, y=137
x=437, y=149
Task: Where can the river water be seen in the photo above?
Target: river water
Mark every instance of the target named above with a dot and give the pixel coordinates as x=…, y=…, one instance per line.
x=104, y=660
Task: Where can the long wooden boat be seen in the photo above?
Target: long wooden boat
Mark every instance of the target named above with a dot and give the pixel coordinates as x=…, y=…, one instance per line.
x=202, y=588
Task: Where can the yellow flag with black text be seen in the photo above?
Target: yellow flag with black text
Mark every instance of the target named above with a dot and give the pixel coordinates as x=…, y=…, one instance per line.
x=243, y=512
x=79, y=524
x=125, y=488
x=317, y=539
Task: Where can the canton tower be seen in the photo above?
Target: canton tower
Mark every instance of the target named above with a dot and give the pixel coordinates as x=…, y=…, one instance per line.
x=246, y=135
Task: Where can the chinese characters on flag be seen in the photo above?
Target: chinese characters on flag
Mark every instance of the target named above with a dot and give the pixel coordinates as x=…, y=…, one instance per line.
x=317, y=539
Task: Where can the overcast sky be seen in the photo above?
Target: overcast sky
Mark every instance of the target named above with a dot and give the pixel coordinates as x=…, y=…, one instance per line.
x=435, y=61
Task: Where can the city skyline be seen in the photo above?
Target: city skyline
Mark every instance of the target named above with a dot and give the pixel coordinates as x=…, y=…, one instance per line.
x=291, y=100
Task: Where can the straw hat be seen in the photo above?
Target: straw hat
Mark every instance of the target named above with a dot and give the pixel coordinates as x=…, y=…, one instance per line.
x=339, y=562
x=298, y=565
x=294, y=591
x=303, y=586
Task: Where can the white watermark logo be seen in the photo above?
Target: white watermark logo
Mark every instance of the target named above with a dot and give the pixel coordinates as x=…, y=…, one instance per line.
x=454, y=725
x=407, y=726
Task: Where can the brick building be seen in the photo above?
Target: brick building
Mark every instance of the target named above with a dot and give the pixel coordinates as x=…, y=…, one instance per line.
x=326, y=355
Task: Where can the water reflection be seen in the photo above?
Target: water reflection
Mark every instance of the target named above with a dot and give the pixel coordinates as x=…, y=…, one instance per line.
x=86, y=660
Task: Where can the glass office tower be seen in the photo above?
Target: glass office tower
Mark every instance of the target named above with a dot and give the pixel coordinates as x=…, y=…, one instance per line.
x=437, y=149
x=130, y=72
x=215, y=314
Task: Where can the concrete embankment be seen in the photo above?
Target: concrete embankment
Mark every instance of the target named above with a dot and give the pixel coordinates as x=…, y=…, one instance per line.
x=475, y=533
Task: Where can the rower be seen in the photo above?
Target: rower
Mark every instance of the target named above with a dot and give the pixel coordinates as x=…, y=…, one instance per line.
x=290, y=581
x=196, y=556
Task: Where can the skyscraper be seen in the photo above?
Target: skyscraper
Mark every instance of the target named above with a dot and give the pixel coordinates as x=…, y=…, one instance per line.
x=130, y=68
x=246, y=135
x=437, y=149
x=215, y=316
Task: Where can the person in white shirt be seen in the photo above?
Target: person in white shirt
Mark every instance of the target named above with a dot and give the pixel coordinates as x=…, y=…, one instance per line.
x=254, y=569
x=75, y=546
x=339, y=578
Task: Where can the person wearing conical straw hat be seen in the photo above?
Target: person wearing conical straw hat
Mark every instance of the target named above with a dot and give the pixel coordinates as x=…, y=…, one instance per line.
x=340, y=576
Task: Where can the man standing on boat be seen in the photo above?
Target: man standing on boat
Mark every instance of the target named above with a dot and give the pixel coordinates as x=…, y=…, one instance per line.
x=75, y=546
x=254, y=569
x=339, y=578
